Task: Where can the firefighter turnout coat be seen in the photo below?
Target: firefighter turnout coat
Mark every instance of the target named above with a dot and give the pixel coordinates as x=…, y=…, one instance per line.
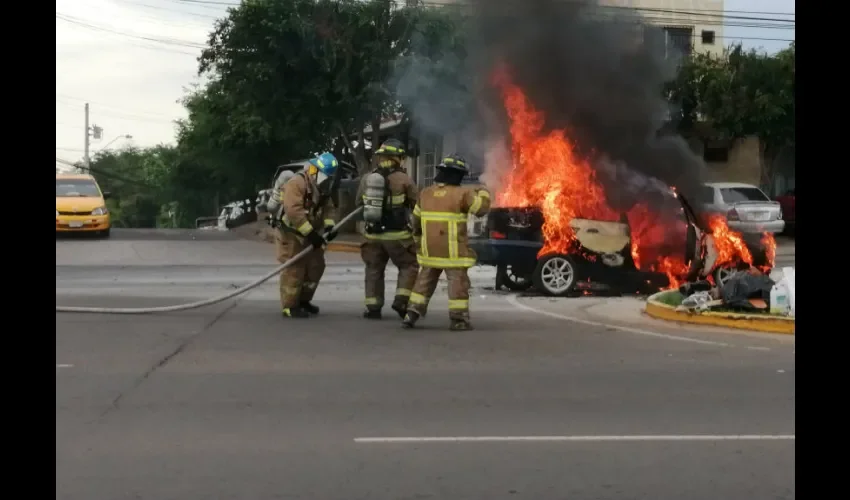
x=439, y=224
x=304, y=207
x=305, y=210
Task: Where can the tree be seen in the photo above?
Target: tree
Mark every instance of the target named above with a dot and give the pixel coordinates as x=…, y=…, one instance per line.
x=289, y=78
x=741, y=94
x=140, y=183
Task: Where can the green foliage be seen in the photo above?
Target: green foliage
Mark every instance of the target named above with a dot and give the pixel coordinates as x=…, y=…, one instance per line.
x=740, y=94
x=288, y=78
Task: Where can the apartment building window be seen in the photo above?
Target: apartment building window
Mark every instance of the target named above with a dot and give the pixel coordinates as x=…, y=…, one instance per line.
x=429, y=154
x=678, y=41
x=669, y=41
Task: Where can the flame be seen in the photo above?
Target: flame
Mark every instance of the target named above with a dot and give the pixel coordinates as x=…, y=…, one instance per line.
x=729, y=244
x=549, y=174
x=769, y=244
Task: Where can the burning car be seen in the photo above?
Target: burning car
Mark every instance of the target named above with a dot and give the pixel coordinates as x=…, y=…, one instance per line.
x=555, y=227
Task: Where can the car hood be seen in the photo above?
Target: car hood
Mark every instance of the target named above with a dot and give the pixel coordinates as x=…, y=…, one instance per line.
x=78, y=203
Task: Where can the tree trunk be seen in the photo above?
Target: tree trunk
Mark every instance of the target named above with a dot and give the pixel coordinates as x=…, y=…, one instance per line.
x=767, y=158
x=359, y=152
x=376, y=132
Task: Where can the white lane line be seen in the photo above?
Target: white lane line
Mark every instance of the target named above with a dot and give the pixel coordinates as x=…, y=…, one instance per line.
x=758, y=348
x=514, y=302
x=592, y=439
x=64, y=366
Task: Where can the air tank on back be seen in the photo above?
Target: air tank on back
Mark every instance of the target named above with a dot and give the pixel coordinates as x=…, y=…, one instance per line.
x=373, y=203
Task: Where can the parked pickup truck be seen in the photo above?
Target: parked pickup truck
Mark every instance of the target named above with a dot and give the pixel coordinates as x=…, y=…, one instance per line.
x=345, y=182
x=511, y=238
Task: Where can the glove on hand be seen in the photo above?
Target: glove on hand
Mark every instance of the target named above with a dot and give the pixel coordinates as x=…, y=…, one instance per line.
x=330, y=234
x=316, y=240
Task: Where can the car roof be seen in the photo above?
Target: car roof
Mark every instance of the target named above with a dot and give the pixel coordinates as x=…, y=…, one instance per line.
x=729, y=185
x=74, y=176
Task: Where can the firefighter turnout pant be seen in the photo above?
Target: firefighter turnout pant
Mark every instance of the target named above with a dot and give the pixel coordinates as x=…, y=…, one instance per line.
x=426, y=283
x=298, y=282
x=376, y=254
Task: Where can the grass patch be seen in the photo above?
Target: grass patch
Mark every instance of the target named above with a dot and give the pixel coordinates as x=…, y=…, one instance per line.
x=670, y=298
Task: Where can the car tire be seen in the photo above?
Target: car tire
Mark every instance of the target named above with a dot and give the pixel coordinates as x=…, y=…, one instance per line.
x=105, y=233
x=516, y=283
x=556, y=275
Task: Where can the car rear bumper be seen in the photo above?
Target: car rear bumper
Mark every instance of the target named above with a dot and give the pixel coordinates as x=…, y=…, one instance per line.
x=81, y=223
x=492, y=252
x=776, y=226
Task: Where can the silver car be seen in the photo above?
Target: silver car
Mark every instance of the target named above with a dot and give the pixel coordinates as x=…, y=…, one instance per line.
x=746, y=207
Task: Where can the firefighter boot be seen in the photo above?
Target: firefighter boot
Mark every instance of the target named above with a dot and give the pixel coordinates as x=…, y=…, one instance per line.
x=410, y=319
x=310, y=308
x=372, y=313
x=295, y=312
x=400, y=307
x=459, y=325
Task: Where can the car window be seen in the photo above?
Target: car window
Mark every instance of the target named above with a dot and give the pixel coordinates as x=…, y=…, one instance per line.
x=76, y=187
x=739, y=194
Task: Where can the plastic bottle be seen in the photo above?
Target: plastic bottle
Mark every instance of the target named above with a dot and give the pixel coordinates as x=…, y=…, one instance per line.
x=779, y=300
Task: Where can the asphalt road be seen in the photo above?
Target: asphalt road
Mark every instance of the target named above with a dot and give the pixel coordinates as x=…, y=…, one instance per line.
x=233, y=402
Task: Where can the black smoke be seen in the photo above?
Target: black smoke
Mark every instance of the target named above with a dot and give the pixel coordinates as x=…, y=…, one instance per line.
x=592, y=70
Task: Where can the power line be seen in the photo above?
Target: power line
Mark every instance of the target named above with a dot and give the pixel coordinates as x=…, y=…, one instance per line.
x=701, y=12
x=118, y=108
x=447, y=3
x=164, y=9
x=165, y=41
x=134, y=118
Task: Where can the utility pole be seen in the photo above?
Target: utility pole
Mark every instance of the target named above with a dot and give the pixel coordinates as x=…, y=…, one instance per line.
x=91, y=131
x=86, y=159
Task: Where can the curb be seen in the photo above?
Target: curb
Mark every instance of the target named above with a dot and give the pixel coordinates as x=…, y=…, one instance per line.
x=738, y=321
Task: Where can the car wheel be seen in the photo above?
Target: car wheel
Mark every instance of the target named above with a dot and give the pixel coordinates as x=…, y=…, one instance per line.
x=505, y=276
x=105, y=233
x=555, y=275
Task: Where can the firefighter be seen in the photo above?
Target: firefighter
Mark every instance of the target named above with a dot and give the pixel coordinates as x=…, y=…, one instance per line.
x=305, y=200
x=388, y=195
x=439, y=228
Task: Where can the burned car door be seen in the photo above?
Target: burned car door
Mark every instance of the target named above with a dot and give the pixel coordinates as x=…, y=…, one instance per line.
x=608, y=239
x=695, y=229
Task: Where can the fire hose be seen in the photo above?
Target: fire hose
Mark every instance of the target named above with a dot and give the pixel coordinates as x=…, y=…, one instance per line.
x=208, y=302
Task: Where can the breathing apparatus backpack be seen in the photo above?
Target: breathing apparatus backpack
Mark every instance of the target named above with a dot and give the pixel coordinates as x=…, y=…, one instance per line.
x=378, y=211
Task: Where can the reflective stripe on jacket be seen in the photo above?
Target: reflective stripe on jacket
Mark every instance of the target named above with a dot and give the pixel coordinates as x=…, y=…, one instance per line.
x=403, y=197
x=439, y=223
x=301, y=202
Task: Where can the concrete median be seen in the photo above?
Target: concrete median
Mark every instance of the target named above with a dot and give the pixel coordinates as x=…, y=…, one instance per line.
x=658, y=309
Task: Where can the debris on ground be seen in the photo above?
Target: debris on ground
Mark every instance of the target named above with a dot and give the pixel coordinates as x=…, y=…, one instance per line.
x=748, y=290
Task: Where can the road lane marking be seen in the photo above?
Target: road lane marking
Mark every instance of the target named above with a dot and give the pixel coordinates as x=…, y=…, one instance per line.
x=64, y=366
x=514, y=302
x=591, y=439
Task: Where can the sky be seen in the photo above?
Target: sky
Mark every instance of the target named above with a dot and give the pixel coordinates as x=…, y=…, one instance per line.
x=133, y=60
